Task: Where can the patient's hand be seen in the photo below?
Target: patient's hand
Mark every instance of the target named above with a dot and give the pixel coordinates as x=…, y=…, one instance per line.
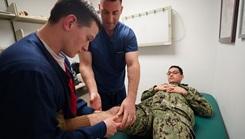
x=164, y=87
x=113, y=111
x=171, y=89
x=177, y=89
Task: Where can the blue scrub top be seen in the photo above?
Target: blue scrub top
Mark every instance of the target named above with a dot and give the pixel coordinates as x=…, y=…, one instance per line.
x=108, y=57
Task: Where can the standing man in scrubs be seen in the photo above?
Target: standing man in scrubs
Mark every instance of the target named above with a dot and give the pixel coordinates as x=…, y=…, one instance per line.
x=103, y=66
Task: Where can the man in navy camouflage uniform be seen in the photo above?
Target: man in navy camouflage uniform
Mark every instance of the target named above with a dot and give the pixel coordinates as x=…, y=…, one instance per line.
x=167, y=111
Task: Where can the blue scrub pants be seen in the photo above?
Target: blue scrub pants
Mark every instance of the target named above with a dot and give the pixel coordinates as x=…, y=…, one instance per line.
x=112, y=99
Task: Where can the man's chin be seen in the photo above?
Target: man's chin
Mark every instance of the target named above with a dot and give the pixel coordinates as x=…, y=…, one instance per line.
x=109, y=27
x=171, y=81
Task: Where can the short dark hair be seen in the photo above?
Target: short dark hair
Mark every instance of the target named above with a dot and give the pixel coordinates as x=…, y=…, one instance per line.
x=180, y=69
x=84, y=12
x=116, y=0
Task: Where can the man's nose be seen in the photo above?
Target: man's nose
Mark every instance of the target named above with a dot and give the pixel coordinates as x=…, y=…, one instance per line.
x=85, y=47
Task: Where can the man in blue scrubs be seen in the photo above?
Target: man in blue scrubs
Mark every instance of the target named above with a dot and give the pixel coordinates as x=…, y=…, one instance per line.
x=103, y=66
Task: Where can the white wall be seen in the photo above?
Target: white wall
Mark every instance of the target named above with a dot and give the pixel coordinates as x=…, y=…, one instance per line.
x=195, y=35
x=208, y=65
x=6, y=32
x=229, y=84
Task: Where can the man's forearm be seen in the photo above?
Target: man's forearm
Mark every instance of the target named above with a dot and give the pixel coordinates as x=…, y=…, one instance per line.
x=85, y=68
x=88, y=78
x=91, y=119
x=133, y=80
x=74, y=123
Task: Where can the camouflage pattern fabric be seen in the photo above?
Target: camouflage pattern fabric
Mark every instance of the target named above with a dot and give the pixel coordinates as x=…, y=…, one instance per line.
x=164, y=115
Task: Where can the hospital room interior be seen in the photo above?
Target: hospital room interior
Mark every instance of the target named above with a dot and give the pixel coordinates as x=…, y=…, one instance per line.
x=187, y=33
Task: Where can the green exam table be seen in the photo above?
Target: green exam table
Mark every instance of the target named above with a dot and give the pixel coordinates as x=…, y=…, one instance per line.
x=205, y=128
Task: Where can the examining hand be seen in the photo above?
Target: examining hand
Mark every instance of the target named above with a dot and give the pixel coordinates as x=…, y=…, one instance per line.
x=95, y=101
x=111, y=126
x=127, y=109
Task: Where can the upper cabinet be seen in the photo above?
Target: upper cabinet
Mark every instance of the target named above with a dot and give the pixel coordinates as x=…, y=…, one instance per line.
x=12, y=14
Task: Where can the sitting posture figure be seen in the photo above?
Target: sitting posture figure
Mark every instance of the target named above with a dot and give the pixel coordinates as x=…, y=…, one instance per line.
x=36, y=82
x=165, y=111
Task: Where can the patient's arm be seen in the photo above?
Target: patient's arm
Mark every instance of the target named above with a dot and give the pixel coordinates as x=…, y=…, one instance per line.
x=198, y=103
x=195, y=99
x=96, y=117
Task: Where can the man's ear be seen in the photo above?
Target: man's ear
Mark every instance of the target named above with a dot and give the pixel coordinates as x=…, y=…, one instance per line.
x=99, y=6
x=121, y=9
x=69, y=21
x=183, y=76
